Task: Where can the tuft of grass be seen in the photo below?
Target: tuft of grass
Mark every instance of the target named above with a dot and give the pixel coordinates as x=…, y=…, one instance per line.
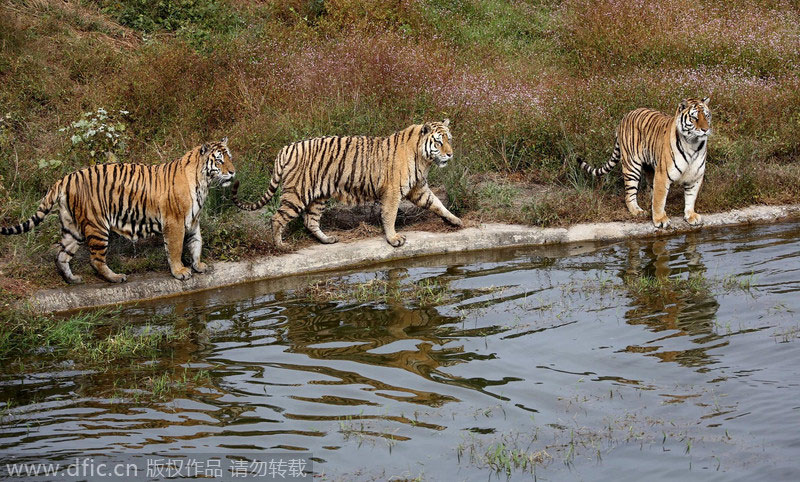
x=170, y=384
x=741, y=283
x=151, y=384
x=787, y=334
x=647, y=285
x=506, y=460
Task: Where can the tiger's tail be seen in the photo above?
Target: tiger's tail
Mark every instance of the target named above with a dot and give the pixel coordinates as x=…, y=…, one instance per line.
x=44, y=207
x=600, y=171
x=277, y=175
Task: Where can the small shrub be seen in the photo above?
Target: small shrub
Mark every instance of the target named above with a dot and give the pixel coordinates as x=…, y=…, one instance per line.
x=195, y=19
x=98, y=136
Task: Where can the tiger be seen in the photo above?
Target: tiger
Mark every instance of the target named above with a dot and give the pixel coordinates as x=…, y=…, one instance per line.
x=672, y=150
x=354, y=170
x=134, y=201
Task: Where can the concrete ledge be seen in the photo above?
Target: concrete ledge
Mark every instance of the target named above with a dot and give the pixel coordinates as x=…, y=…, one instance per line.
x=372, y=251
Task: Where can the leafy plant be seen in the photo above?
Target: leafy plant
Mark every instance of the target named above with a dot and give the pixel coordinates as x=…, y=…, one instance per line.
x=100, y=135
x=196, y=20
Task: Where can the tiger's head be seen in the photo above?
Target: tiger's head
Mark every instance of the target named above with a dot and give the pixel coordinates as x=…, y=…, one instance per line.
x=217, y=162
x=694, y=119
x=436, y=142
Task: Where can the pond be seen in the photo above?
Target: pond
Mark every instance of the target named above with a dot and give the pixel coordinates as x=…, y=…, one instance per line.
x=663, y=358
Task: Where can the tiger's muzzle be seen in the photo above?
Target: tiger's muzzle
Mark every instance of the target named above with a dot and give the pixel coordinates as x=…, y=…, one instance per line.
x=225, y=180
x=441, y=160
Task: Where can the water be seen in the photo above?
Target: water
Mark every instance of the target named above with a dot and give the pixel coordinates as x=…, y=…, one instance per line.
x=653, y=359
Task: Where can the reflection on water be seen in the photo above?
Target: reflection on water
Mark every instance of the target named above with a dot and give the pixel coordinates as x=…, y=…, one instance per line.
x=664, y=358
x=682, y=309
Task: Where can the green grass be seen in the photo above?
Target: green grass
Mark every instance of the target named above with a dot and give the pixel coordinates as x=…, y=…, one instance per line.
x=94, y=337
x=507, y=27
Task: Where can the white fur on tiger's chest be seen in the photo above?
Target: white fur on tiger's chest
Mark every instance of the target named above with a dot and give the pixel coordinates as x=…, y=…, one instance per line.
x=689, y=162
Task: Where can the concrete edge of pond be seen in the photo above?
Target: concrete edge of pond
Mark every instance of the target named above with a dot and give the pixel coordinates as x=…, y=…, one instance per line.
x=317, y=258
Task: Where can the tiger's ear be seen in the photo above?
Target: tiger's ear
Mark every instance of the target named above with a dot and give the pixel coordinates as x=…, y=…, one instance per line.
x=204, y=149
x=706, y=100
x=224, y=141
x=446, y=122
x=426, y=128
x=683, y=105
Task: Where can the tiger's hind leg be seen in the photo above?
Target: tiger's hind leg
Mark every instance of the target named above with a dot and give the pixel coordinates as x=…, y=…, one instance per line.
x=68, y=247
x=174, y=233
x=287, y=211
x=311, y=220
x=632, y=173
x=97, y=241
x=423, y=197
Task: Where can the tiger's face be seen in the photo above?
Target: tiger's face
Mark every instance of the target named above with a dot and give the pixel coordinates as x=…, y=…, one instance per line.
x=694, y=118
x=437, y=142
x=219, y=163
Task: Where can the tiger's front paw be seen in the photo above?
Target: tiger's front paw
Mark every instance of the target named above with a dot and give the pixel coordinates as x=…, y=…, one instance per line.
x=200, y=267
x=397, y=240
x=661, y=221
x=693, y=218
x=182, y=273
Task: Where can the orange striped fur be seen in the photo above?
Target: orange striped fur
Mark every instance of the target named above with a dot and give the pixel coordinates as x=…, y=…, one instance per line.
x=672, y=149
x=134, y=201
x=355, y=170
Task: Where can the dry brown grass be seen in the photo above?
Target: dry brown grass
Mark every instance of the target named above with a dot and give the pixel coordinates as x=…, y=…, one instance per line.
x=528, y=86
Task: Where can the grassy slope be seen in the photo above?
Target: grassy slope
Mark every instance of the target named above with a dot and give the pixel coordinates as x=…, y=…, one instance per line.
x=529, y=86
